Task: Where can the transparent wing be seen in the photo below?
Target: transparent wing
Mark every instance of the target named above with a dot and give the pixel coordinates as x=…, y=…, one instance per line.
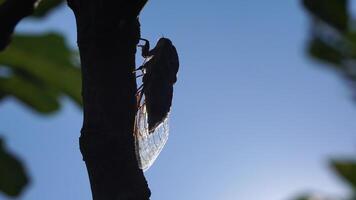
x=148, y=145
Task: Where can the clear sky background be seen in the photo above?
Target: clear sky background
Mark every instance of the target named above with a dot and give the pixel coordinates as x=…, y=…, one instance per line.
x=253, y=117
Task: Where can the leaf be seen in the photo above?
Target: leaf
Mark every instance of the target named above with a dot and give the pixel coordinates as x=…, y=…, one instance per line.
x=303, y=198
x=49, y=45
x=332, y=12
x=34, y=96
x=346, y=170
x=313, y=197
x=45, y=7
x=335, y=56
x=44, y=61
x=324, y=52
x=13, y=178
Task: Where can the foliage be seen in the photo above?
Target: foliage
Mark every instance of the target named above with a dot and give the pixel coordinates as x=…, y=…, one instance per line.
x=333, y=41
x=37, y=70
x=332, y=38
x=12, y=173
x=332, y=12
x=345, y=170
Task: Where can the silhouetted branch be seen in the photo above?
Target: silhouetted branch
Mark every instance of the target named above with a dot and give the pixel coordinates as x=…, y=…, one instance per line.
x=108, y=32
x=11, y=13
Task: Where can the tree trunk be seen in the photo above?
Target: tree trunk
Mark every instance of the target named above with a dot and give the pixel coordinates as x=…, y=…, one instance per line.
x=108, y=32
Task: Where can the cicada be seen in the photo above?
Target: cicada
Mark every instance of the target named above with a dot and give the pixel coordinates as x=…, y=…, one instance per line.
x=154, y=99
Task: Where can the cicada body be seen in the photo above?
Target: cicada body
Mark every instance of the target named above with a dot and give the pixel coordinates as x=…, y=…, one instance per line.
x=154, y=100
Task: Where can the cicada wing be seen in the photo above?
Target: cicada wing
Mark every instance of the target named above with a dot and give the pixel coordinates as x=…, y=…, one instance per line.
x=148, y=145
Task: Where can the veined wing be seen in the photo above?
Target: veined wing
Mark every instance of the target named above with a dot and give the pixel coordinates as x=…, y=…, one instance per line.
x=148, y=145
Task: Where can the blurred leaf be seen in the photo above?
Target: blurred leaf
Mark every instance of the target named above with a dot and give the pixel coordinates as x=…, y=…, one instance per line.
x=46, y=6
x=312, y=197
x=337, y=48
x=346, y=170
x=36, y=97
x=13, y=177
x=351, y=38
x=332, y=12
x=304, y=197
x=49, y=45
x=324, y=52
x=44, y=61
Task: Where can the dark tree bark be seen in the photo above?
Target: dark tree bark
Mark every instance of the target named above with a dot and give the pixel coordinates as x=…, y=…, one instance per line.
x=11, y=13
x=108, y=32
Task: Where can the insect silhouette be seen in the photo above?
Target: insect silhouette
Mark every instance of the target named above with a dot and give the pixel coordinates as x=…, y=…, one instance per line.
x=154, y=99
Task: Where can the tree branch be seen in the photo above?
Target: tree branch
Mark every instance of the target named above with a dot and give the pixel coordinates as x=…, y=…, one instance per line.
x=11, y=13
x=108, y=32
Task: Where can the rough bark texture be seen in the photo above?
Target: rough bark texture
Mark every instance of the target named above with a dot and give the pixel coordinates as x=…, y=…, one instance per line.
x=11, y=13
x=108, y=32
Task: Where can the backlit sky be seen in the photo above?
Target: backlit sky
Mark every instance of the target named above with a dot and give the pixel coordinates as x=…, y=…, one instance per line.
x=253, y=117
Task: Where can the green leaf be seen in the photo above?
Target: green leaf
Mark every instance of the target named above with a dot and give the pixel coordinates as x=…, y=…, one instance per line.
x=335, y=56
x=332, y=12
x=45, y=61
x=304, y=197
x=346, y=170
x=324, y=52
x=310, y=196
x=35, y=96
x=13, y=178
x=46, y=6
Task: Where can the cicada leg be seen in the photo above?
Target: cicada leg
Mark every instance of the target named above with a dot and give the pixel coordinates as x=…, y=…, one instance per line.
x=138, y=76
x=145, y=48
x=139, y=95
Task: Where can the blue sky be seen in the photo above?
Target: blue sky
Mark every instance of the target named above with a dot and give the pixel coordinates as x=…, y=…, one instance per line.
x=253, y=117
